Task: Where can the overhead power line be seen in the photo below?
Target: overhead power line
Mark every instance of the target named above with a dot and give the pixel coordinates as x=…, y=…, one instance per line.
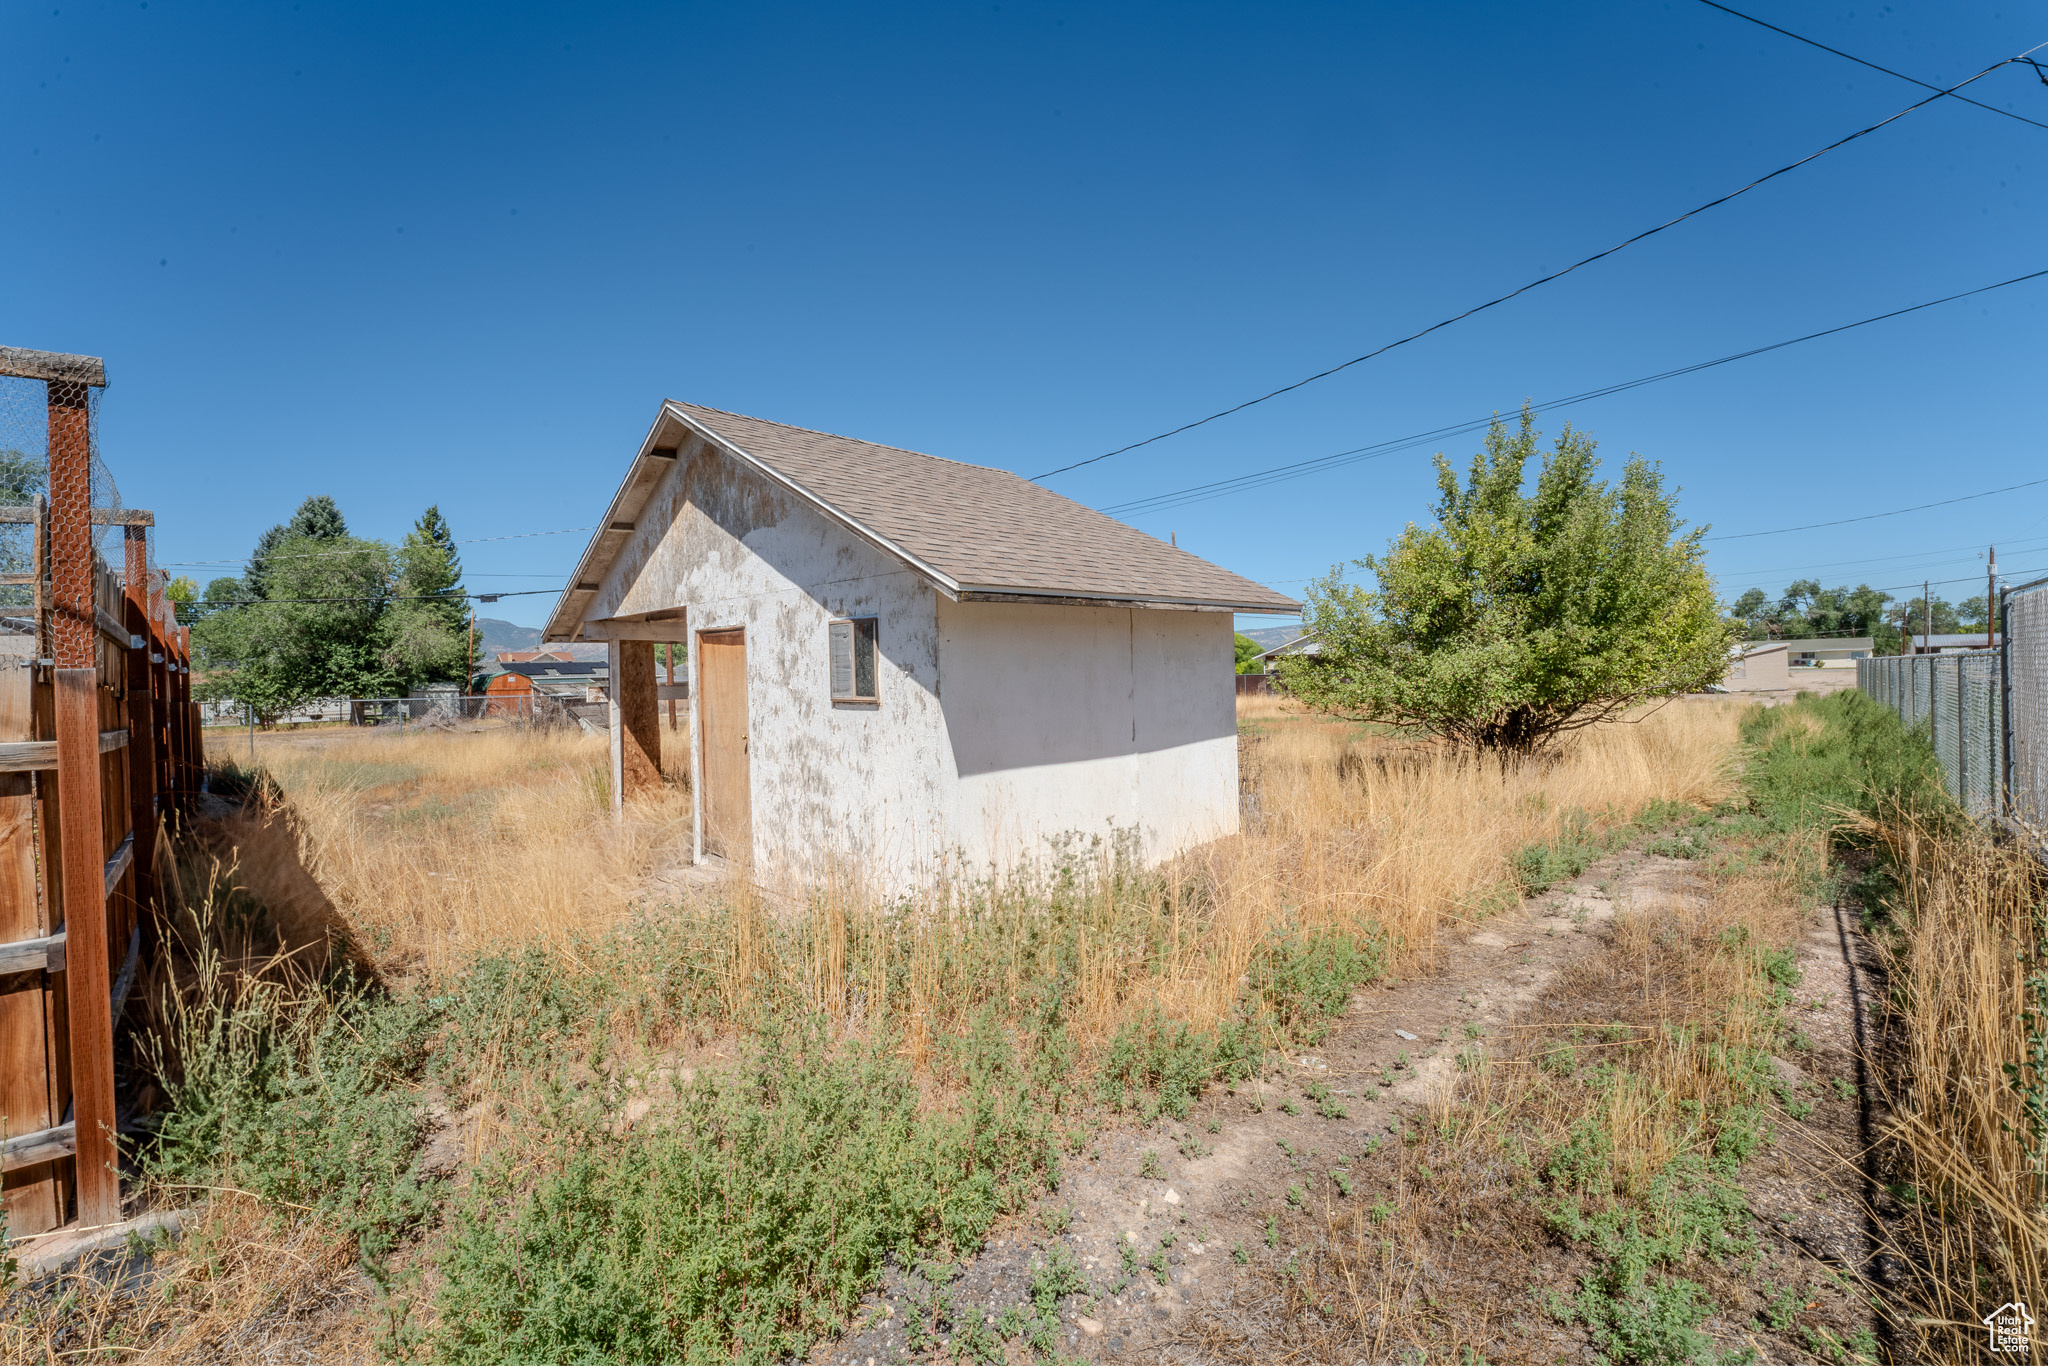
x=1873, y=516
x=1300, y=469
x=325, y=554
x=1544, y=280
x=1976, y=546
x=1924, y=85
x=212, y=607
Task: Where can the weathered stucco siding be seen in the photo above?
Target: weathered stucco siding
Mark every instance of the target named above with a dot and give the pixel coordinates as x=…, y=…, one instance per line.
x=864, y=781
x=1000, y=726
x=1087, y=719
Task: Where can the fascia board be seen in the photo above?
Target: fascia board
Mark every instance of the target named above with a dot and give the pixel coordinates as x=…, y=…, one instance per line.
x=587, y=569
x=971, y=591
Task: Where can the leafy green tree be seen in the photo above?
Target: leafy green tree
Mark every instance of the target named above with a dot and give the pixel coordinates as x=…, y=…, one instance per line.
x=218, y=594
x=426, y=629
x=22, y=477
x=1911, y=617
x=1971, y=614
x=1806, y=609
x=1248, y=652
x=1809, y=610
x=1516, y=617
x=318, y=633
x=256, y=574
x=1755, y=613
x=182, y=590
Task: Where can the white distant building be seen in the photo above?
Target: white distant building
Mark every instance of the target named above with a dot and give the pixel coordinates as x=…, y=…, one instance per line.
x=907, y=660
x=1827, y=652
x=1757, y=666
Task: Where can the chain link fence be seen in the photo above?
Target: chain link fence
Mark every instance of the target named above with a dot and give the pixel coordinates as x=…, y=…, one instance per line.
x=1986, y=712
x=2024, y=611
x=448, y=711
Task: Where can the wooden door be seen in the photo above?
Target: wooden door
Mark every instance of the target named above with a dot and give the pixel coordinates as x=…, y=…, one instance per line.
x=722, y=712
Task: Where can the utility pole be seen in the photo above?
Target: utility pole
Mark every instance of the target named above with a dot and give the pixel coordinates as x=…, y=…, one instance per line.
x=1927, y=617
x=469, y=659
x=1991, y=600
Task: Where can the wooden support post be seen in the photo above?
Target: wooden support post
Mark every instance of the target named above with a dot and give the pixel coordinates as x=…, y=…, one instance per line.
x=141, y=725
x=195, y=749
x=75, y=644
x=613, y=667
x=183, y=780
x=638, y=689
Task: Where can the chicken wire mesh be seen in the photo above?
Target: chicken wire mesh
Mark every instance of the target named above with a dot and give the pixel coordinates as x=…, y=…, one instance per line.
x=47, y=398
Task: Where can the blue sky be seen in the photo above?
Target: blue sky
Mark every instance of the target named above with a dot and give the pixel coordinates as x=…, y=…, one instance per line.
x=453, y=254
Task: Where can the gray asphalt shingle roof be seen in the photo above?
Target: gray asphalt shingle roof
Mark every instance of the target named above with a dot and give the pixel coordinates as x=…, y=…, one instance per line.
x=987, y=530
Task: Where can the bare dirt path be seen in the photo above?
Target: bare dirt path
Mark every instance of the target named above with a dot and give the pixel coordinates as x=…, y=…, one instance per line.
x=1184, y=1230
x=1194, y=1202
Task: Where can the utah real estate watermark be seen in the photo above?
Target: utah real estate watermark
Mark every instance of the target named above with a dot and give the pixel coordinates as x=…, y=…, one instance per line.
x=2008, y=1325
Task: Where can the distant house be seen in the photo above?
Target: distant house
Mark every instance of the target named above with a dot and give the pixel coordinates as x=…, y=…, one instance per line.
x=1827, y=652
x=548, y=677
x=1938, y=643
x=1757, y=666
x=1300, y=645
x=907, y=662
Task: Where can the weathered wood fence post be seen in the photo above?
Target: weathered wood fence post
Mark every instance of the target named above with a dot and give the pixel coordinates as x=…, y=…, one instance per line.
x=99, y=744
x=75, y=646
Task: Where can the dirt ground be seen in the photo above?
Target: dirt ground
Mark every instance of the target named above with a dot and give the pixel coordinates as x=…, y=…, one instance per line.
x=1210, y=1198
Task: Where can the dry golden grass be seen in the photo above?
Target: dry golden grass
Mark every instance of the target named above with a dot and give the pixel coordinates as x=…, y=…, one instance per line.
x=433, y=848
x=1356, y=829
x=436, y=847
x=1437, y=1259
x=243, y=1286
x=1971, y=910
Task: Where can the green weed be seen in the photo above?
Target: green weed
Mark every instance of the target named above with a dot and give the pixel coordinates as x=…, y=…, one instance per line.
x=747, y=1227
x=1173, y=1061
x=1306, y=980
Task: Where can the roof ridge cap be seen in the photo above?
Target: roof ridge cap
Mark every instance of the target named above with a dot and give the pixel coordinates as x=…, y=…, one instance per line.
x=878, y=445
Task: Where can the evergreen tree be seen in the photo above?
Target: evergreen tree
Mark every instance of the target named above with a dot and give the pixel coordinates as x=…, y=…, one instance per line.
x=318, y=519
x=256, y=575
x=426, y=630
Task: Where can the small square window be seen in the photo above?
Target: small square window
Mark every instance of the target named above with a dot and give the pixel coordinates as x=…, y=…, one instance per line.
x=853, y=660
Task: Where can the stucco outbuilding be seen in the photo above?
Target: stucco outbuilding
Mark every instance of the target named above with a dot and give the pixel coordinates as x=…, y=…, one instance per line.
x=919, y=665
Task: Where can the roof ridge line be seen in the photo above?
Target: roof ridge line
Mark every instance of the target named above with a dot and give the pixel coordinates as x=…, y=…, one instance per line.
x=878, y=445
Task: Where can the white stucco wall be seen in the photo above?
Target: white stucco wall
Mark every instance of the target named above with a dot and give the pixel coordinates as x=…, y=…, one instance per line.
x=1087, y=719
x=866, y=781
x=999, y=725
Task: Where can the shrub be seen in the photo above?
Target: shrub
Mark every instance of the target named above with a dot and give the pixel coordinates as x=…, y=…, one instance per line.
x=1173, y=1060
x=303, y=1100
x=1306, y=979
x=748, y=1227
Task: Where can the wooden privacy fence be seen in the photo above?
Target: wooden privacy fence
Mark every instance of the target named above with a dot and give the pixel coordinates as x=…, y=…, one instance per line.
x=99, y=752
